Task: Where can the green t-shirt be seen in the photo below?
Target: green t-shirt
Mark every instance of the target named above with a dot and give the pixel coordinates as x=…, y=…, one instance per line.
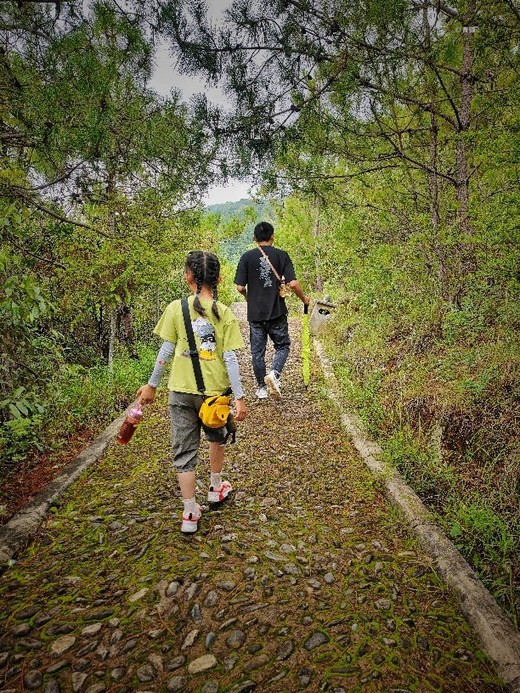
x=212, y=337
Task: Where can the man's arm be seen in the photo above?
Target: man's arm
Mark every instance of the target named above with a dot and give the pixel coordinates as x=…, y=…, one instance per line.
x=295, y=286
x=242, y=290
x=241, y=278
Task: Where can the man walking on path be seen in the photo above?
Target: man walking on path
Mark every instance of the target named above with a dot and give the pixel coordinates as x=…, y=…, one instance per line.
x=258, y=277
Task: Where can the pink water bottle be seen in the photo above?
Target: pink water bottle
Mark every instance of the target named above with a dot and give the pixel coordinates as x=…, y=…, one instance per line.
x=129, y=425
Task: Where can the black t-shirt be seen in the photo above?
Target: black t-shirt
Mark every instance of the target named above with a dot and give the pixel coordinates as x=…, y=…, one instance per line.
x=263, y=298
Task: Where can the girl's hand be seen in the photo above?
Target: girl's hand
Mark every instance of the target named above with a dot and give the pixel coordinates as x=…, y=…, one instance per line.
x=240, y=409
x=146, y=394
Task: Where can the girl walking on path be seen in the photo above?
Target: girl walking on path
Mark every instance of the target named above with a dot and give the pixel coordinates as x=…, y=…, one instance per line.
x=217, y=336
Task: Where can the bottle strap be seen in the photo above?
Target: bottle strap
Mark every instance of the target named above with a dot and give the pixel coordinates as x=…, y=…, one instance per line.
x=194, y=354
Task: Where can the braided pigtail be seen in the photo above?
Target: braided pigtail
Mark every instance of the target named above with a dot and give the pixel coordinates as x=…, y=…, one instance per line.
x=196, y=301
x=214, y=292
x=195, y=265
x=205, y=268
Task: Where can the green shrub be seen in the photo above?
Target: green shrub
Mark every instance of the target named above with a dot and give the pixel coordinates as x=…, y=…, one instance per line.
x=90, y=397
x=80, y=399
x=18, y=437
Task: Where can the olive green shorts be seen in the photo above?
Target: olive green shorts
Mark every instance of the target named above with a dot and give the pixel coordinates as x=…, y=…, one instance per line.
x=186, y=429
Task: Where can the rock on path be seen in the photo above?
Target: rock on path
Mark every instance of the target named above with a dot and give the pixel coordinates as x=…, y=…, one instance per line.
x=305, y=579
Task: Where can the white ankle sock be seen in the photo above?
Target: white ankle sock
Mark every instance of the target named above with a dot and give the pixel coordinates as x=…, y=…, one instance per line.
x=190, y=505
x=216, y=481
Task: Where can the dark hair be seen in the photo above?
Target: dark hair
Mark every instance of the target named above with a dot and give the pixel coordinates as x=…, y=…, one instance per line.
x=205, y=268
x=264, y=231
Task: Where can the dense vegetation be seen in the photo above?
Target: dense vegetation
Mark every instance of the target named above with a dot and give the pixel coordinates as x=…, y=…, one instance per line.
x=385, y=135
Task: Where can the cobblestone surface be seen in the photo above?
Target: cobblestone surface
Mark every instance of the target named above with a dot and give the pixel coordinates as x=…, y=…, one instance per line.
x=305, y=579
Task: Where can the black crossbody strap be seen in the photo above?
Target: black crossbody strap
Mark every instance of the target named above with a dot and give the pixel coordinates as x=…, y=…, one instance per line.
x=194, y=354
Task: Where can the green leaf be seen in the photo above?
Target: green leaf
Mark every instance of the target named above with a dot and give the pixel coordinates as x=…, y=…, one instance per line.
x=456, y=530
x=14, y=411
x=22, y=408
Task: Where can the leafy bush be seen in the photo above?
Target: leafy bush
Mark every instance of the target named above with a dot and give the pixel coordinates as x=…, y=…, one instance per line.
x=90, y=397
x=81, y=398
x=18, y=437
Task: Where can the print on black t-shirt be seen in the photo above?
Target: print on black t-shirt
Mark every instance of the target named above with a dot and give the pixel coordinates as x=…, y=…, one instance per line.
x=253, y=271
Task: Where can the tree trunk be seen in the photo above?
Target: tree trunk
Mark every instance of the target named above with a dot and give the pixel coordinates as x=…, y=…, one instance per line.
x=112, y=339
x=442, y=273
x=466, y=86
x=433, y=178
x=126, y=323
x=111, y=222
x=467, y=259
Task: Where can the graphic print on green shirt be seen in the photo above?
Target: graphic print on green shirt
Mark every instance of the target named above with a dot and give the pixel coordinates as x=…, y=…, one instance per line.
x=213, y=337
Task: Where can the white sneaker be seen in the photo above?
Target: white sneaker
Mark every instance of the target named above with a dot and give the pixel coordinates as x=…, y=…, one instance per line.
x=190, y=521
x=273, y=385
x=217, y=496
x=261, y=393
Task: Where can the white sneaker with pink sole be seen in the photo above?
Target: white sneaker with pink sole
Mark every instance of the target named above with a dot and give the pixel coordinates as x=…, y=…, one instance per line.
x=190, y=521
x=219, y=495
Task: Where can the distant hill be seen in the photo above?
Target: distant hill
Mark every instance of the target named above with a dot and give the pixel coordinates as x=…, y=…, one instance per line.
x=248, y=213
x=227, y=210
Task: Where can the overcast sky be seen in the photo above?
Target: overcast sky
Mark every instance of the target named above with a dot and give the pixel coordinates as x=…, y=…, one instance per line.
x=166, y=77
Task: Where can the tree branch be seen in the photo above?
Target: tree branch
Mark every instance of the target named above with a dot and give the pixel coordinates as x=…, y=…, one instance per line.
x=407, y=99
x=513, y=8
x=57, y=180
x=405, y=157
x=29, y=200
x=23, y=250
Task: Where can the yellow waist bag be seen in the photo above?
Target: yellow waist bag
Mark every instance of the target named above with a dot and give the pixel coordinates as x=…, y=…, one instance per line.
x=214, y=411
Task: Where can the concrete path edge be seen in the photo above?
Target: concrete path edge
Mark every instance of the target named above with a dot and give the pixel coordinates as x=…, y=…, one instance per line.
x=15, y=534
x=497, y=634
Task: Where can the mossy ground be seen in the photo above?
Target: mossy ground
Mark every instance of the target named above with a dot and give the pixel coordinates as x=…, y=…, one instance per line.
x=306, y=544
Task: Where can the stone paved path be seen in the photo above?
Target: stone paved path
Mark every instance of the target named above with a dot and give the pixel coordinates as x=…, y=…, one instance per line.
x=305, y=579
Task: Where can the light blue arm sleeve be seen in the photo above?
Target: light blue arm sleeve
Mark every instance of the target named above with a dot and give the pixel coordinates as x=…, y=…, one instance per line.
x=231, y=363
x=163, y=359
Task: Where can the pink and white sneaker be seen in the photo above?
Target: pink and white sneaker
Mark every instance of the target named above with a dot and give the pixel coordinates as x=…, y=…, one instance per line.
x=190, y=522
x=220, y=495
